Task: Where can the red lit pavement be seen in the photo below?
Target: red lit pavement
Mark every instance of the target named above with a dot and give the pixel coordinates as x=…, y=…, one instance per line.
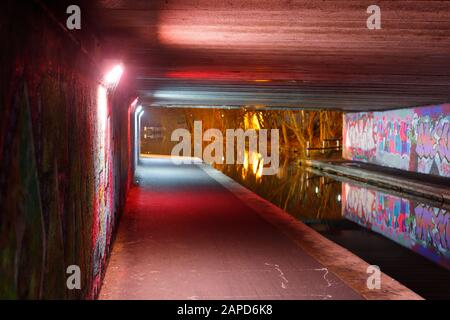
x=186, y=236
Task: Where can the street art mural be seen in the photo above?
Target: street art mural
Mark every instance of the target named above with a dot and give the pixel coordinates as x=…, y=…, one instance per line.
x=409, y=139
x=63, y=165
x=420, y=227
x=103, y=184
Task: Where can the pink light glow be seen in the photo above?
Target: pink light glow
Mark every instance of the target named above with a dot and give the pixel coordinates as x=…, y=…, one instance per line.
x=113, y=76
x=102, y=108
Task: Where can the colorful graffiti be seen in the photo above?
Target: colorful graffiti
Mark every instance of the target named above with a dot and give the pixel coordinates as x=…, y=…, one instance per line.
x=103, y=183
x=420, y=227
x=408, y=139
x=360, y=134
x=63, y=162
x=433, y=144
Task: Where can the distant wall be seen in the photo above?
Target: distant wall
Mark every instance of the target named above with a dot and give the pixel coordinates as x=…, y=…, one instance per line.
x=415, y=139
x=63, y=158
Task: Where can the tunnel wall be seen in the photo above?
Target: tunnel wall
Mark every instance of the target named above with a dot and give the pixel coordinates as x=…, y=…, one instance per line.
x=415, y=139
x=64, y=156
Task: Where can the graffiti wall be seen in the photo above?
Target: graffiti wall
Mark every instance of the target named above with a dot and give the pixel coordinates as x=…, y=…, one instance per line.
x=414, y=139
x=420, y=227
x=63, y=160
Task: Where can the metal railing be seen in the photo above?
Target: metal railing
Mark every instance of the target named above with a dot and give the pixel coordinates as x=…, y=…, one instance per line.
x=326, y=146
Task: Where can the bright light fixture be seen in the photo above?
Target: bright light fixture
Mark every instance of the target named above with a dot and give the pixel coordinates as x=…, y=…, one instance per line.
x=112, y=78
x=138, y=109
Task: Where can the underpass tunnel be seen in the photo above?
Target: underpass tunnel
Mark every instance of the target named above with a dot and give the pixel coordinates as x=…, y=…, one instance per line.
x=93, y=91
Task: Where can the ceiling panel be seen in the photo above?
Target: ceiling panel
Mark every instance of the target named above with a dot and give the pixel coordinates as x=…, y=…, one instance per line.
x=310, y=54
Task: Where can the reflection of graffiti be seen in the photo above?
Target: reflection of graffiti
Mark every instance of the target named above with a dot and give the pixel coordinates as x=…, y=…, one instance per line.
x=409, y=139
x=361, y=202
x=422, y=228
x=432, y=226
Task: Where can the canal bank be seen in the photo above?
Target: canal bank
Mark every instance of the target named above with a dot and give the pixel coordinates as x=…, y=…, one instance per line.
x=384, y=227
x=420, y=185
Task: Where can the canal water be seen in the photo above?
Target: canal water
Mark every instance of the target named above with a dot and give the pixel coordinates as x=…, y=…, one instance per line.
x=408, y=238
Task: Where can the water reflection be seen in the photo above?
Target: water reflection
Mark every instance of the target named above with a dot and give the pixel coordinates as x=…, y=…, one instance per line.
x=257, y=165
x=305, y=195
x=310, y=197
x=420, y=227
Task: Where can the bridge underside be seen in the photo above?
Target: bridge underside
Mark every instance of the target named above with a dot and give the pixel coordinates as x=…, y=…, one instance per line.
x=291, y=54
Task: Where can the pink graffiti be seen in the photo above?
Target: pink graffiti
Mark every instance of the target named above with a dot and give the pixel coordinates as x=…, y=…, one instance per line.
x=433, y=146
x=442, y=222
x=409, y=139
x=359, y=137
x=360, y=202
x=432, y=228
x=425, y=141
x=398, y=218
x=442, y=131
x=393, y=136
x=432, y=141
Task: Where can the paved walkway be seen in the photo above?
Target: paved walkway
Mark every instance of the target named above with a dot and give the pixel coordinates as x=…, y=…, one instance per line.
x=186, y=236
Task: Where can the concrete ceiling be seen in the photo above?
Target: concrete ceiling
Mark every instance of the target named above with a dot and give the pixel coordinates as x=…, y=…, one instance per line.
x=281, y=53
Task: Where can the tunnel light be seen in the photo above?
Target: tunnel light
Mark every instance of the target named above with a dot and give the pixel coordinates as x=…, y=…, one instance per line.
x=112, y=78
x=138, y=109
x=339, y=198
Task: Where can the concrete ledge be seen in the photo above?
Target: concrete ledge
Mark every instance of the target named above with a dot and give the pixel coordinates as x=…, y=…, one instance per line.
x=344, y=264
x=417, y=188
